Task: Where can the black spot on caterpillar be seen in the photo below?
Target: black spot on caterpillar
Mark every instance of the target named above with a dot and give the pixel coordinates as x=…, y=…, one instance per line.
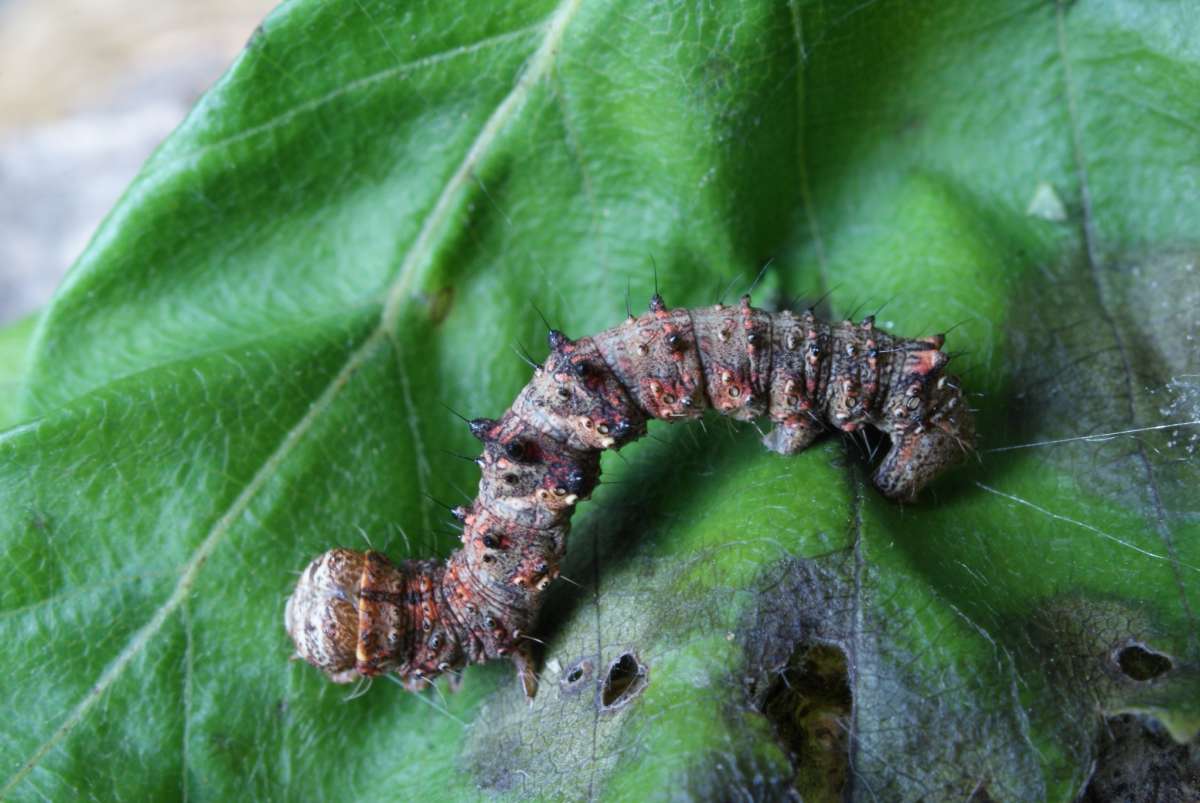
x=356, y=614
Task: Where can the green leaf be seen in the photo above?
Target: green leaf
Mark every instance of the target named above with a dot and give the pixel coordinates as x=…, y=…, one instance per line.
x=249, y=364
x=14, y=354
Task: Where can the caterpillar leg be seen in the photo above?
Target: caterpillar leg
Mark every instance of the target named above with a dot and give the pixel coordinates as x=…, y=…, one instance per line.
x=790, y=437
x=526, y=675
x=345, y=676
x=416, y=685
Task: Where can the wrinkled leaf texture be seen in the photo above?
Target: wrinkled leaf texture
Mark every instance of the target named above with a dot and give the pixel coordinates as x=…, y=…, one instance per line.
x=252, y=361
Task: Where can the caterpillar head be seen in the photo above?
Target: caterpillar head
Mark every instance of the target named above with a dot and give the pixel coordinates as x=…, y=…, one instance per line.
x=322, y=613
x=931, y=426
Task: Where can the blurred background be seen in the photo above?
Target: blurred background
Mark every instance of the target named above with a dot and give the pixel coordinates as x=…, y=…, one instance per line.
x=88, y=88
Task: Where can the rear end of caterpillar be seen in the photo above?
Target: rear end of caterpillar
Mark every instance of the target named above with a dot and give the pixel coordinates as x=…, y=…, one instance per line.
x=356, y=614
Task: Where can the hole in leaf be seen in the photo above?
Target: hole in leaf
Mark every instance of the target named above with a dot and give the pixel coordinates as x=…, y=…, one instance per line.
x=625, y=680
x=1140, y=663
x=809, y=704
x=575, y=676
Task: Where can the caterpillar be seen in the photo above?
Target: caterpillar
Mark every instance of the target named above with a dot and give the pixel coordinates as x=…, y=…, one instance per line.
x=356, y=614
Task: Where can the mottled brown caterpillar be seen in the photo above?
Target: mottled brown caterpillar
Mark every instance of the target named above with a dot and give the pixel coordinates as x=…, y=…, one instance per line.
x=356, y=614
